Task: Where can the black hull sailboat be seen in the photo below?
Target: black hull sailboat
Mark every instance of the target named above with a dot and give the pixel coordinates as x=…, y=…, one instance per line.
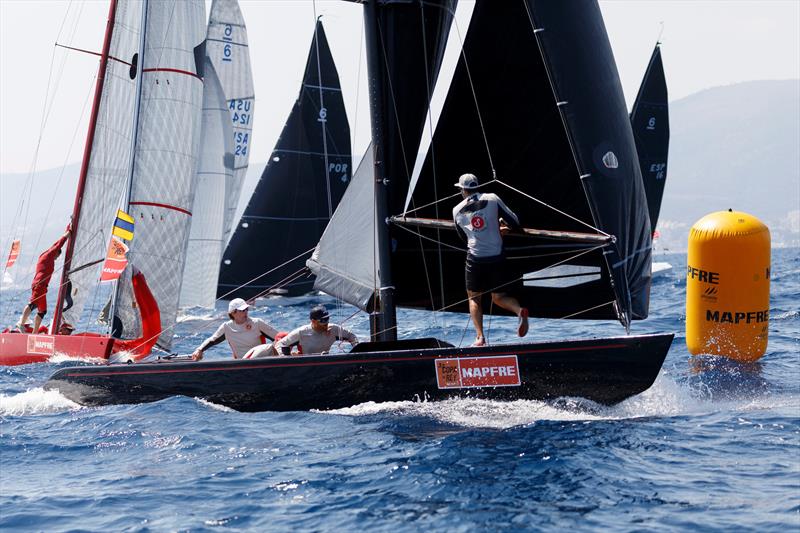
x=305, y=177
x=606, y=371
x=568, y=153
x=650, y=123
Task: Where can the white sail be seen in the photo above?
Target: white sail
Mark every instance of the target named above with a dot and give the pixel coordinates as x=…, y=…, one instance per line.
x=344, y=260
x=228, y=50
x=214, y=171
x=107, y=174
x=165, y=159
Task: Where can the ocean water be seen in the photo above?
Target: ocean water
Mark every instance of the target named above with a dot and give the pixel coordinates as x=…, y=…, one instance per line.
x=712, y=446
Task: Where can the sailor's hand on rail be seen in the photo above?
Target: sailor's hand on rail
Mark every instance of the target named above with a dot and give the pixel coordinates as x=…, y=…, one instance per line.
x=197, y=355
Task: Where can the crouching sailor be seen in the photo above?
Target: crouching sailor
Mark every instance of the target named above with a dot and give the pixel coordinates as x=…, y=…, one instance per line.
x=242, y=332
x=316, y=337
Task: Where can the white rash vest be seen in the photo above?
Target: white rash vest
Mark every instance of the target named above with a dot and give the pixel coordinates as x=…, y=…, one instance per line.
x=477, y=220
x=241, y=337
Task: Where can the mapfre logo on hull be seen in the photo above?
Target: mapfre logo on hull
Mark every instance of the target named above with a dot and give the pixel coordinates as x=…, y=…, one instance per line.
x=471, y=372
x=41, y=344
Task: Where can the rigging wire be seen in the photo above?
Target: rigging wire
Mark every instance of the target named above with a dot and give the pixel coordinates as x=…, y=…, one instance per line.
x=196, y=330
x=433, y=165
x=475, y=99
x=495, y=289
x=47, y=108
x=553, y=208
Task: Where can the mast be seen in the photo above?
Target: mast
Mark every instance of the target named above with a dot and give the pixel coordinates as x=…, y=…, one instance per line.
x=383, y=322
x=138, y=99
x=87, y=152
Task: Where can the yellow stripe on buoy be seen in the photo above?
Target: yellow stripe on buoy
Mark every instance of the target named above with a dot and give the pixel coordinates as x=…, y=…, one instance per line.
x=727, y=286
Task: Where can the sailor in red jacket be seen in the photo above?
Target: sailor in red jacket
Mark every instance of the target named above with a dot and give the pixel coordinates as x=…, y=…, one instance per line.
x=44, y=271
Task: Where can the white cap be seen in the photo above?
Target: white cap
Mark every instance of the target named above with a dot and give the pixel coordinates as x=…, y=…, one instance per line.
x=237, y=304
x=467, y=181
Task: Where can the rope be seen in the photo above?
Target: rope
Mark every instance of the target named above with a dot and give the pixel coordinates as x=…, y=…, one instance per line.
x=553, y=208
x=494, y=289
x=440, y=243
x=196, y=330
x=475, y=99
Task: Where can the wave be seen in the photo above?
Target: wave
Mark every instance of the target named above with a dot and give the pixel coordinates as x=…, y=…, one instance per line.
x=666, y=398
x=35, y=402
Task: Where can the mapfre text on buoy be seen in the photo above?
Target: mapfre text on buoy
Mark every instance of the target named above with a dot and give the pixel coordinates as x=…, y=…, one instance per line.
x=727, y=286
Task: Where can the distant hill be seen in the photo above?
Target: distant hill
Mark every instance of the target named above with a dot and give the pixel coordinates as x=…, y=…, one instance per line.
x=735, y=147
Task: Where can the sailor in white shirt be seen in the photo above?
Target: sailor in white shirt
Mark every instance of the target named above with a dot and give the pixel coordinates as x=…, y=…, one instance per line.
x=316, y=337
x=477, y=219
x=241, y=332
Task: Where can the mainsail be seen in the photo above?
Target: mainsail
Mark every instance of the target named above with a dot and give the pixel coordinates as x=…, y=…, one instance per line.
x=106, y=163
x=214, y=172
x=650, y=122
x=165, y=157
x=306, y=175
x=228, y=50
x=518, y=108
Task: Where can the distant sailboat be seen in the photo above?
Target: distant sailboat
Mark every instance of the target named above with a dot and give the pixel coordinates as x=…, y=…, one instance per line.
x=305, y=177
x=136, y=160
x=227, y=127
x=650, y=122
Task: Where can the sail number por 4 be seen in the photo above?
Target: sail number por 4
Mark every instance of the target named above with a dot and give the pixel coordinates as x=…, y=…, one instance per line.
x=471, y=372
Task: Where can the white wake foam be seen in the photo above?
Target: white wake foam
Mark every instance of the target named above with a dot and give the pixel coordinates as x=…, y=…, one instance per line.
x=664, y=399
x=35, y=402
x=63, y=358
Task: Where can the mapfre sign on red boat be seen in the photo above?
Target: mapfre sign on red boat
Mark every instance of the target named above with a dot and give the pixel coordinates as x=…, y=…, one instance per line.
x=41, y=344
x=467, y=372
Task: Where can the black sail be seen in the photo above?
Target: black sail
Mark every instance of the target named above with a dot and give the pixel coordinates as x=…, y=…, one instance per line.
x=650, y=122
x=306, y=176
x=542, y=97
x=413, y=37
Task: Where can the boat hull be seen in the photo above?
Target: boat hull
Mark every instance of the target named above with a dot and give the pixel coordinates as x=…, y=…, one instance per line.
x=25, y=348
x=606, y=371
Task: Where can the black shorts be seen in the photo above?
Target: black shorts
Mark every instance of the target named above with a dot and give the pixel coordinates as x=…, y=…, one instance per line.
x=485, y=274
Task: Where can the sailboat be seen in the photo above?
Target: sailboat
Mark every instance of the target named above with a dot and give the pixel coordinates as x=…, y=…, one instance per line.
x=303, y=182
x=228, y=110
x=140, y=157
x=650, y=122
x=587, y=254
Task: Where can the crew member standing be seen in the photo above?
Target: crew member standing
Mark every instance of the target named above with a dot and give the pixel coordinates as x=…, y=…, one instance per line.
x=478, y=222
x=45, y=267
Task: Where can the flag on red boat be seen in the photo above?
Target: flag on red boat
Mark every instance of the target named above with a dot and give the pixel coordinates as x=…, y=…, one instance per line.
x=123, y=225
x=115, y=260
x=12, y=256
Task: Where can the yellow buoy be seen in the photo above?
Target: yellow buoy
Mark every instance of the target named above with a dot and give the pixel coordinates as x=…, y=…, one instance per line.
x=727, y=286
